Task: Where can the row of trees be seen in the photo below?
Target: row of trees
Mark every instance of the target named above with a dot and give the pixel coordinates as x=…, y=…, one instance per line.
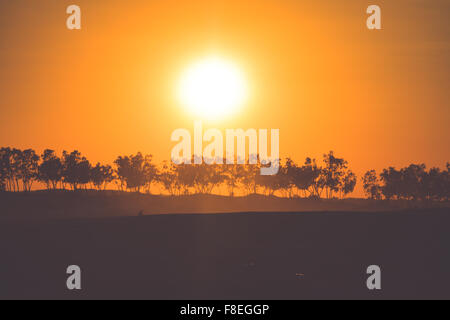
x=20, y=169
x=411, y=183
x=331, y=178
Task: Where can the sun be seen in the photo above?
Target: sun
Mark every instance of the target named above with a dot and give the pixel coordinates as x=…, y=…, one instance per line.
x=212, y=88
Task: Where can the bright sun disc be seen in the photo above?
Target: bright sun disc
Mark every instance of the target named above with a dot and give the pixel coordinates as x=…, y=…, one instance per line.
x=212, y=88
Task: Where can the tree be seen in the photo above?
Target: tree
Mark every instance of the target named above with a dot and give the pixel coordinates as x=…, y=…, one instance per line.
x=412, y=178
x=3, y=170
x=185, y=175
x=136, y=175
x=168, y=178
x=2, y=176
x=207, y=177
x=233, y=176
x=122, y=168
x=304, y=178
x=76, y=169
x=101, y=176
x=18, y=167
x=250, y=178
x=276, y=183
x=150, y=173
x=28, y=164
x=371, y=185
x=348, y=183
x=282, y=181
x=392, y=183
x=415, y=183
x=136, y=172
x=50, y=170
x=313, y=178
x=333, y=173
x=6, y=169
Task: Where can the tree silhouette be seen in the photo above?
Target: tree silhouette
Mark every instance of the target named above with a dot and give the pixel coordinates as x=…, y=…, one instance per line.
x=2, y=174
x=333, y=173
x=281, y=182
x=168, y=178
x=371, y=185
x=8, y=169
x=19, y=169
x=136, y=172
x=207, y=177
x=3, y=170
x=249, y=180
x=347, y=184
x=28, y=164
x=392, y=180
x=185, y=175
x=315, y=176
x=50, y=170
x=234, y=174
x=76, y=169
x=412, y=183
x=101, y=176
x=302, y=178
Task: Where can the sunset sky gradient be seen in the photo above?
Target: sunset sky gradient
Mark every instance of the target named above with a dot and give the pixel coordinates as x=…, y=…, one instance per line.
x=377, y=98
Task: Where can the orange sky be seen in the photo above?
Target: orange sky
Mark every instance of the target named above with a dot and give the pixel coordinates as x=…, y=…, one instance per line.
x=378, y=98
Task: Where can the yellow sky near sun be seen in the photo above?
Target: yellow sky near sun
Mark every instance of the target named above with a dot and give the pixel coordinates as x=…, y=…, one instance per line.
x=377, y=98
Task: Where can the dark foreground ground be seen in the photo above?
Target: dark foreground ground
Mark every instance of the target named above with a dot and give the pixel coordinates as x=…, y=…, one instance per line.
x=60, y=204
x=230, y=256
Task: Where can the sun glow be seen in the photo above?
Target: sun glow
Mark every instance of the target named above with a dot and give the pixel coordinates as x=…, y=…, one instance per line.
x=212, y=88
